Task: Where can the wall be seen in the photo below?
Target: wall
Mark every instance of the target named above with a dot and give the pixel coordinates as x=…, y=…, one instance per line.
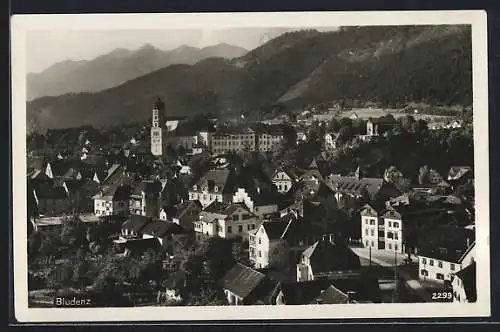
x=459, y=294
x=432, y=270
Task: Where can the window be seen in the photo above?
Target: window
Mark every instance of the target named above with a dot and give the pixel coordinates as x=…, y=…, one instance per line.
x=236, y=217
x=372, y=221
x=366, y=221
x=431, y=262
x=373, y=244
x=452, y=266
x=366, y=231
x=424, y=272
x=395, y=225
x=240, y=228
x=389, y=246
x=395, y=247
x=424, y=261
x=396, y=236
x=372, y=232
x=249, y=227
x=440, y=264
x=260, y=253
x=229, y=230
x=389, y=235
x=439, y=276
x=260, y=241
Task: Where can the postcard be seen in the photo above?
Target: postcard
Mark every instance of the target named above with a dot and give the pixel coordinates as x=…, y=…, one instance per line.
x=250, y=166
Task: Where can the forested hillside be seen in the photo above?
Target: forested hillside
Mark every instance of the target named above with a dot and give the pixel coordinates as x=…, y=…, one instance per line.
x=389, y=66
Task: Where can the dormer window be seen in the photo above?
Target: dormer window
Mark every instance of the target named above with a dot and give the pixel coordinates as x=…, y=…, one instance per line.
x=195, y=187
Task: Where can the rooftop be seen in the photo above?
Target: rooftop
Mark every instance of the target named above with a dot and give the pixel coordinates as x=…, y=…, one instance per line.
x=242, y=280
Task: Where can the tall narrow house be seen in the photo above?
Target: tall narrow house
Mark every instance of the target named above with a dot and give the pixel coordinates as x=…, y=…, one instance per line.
x=157, y=128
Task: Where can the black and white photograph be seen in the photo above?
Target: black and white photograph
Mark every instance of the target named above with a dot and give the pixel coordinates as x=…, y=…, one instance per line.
x=307, y=165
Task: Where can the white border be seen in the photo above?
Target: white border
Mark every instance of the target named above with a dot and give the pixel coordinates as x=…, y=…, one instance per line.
x=20, y=24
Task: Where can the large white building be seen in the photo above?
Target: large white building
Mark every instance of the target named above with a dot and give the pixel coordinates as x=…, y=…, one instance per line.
x=381, y=232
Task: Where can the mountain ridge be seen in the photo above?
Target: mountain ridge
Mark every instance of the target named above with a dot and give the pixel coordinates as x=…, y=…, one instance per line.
x=116, y=67
x=390, y=66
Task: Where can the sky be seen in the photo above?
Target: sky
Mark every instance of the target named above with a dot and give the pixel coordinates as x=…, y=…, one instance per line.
x=47, y=47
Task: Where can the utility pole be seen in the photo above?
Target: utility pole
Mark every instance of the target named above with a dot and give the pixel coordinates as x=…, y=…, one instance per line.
x=370, y=252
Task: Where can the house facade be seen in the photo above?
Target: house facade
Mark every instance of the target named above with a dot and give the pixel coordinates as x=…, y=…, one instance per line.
x=242, y=139
x=283, y=180
x=213, y=187
x=225, y=220
x=112, y=201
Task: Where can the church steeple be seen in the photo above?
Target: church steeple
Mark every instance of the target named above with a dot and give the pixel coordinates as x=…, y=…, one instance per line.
x=157, y=128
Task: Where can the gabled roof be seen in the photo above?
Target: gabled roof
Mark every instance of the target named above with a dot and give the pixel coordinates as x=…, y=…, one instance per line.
x=225, y=208
x=468, y=277
x=186, y=206
x=242, y=280
x=136, y=223
x=141, y=245
x=216, y=178
x=274, y=229
x=49, y=192
x=331, y=295
x=457, y=172
x=161, y=228
x=325, y=256
x=355, y=185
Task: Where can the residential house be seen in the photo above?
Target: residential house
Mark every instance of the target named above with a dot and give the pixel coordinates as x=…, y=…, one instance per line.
x=330, y=141
x=464, y=284
x=145, y=199
x=162, y=230
x=112, y=200
x=133, y=226
x=217, y=185
x=51, y=200
x=275, y=240
x=438, y=265
x=284, y=178
x=184, y=215
x=241, y=285
x=440, y=262
x=225, y=220
x=325, y=259
x=434, y=177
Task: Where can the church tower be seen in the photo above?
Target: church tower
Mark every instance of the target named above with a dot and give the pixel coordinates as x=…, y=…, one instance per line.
x=157, y=128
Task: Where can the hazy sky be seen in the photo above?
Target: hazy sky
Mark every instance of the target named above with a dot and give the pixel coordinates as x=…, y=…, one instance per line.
x=46, y=47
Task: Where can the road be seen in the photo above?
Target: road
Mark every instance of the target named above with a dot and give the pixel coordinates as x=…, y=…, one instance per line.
x=386, y=259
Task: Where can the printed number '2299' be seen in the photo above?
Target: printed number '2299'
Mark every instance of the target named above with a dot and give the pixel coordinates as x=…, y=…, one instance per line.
x=442, y=296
